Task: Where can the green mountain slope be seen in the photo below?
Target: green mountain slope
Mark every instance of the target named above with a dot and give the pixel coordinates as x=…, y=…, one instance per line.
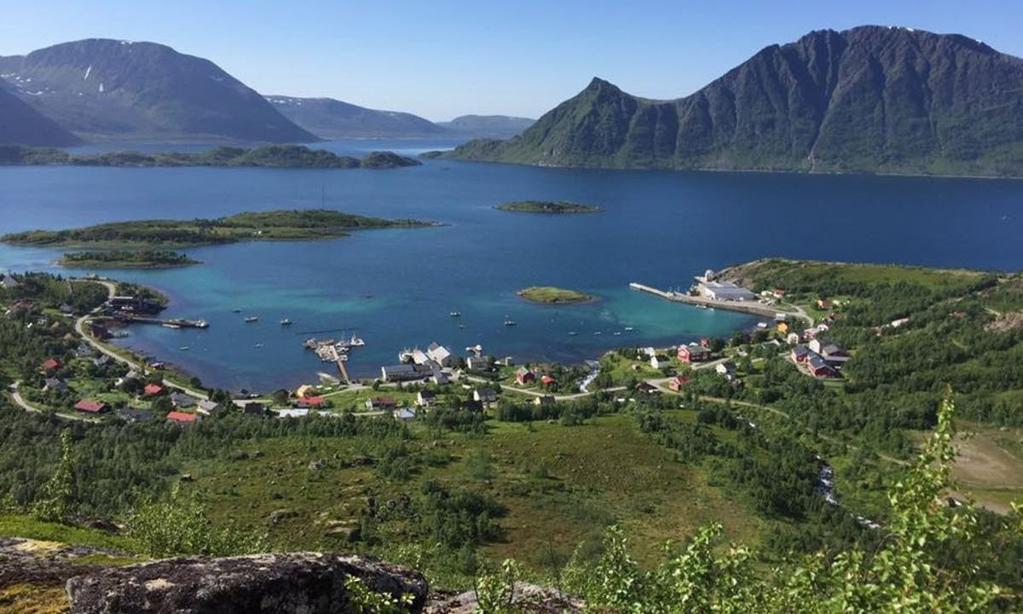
x=870, y=99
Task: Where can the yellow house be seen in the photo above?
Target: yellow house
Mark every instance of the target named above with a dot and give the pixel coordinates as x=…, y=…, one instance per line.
x=783, y=327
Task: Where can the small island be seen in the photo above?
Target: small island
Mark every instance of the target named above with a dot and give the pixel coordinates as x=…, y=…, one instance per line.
x=126, y=259
x=550, y=295
x=165, y=234
x=268, y=156
x=547, y=207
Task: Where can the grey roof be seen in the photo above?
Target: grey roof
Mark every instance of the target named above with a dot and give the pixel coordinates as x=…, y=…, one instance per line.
x=182, y=400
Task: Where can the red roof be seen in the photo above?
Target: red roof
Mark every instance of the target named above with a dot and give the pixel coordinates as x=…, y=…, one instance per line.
x=312, y=401
x=180, y=416
x=152, y=390
x=547, y=379
x=52, y=364
x=92, y=407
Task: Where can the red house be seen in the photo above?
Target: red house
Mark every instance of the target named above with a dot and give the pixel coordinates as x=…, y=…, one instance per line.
x=677, y=383
x=181, y=417
x=693, y=353
x=311, y=402
x=152, y=390
x=91, y=407
x=547, y=380
x=52, y=364
x=524, y=376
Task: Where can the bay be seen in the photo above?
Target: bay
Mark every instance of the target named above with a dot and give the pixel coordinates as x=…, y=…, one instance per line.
x=395, y=288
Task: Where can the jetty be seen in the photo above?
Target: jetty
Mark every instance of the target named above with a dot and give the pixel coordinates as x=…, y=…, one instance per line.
x=172, y=323
x=753, y=307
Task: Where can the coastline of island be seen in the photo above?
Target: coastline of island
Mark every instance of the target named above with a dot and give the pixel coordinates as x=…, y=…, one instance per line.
x=551, y=295
x=547, y=207
x=280, y=225
x=267, y=156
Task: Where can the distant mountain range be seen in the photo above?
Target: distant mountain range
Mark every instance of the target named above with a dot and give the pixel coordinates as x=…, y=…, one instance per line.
x=869, y=99
x=488, y=126
x=117, y=90
x=111, y=90
x=333, y=119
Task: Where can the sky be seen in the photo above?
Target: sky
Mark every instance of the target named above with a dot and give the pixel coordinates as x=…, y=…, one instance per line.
x=444, y=58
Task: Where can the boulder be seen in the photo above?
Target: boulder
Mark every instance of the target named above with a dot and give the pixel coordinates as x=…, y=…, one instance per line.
x=306, y=583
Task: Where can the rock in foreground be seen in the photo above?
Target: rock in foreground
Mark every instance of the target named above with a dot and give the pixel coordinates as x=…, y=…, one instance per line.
x=307, y=583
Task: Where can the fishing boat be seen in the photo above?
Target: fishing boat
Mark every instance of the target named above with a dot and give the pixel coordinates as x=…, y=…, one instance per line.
x=356, y=342
x=285, y=322
x=455, y=314
x=510, y=323
x=251, y=319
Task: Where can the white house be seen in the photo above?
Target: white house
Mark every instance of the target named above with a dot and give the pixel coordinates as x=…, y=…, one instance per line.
x=438, y=354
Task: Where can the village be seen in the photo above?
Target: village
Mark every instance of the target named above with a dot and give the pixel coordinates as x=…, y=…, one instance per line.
x=94, y=379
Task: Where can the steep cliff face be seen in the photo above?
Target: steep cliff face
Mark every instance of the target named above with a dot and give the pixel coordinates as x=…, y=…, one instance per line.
x=870, y=99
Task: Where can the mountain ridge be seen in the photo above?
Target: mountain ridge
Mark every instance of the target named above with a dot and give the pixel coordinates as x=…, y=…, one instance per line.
x=105, y=89
x=867, y=99
x=331, y=118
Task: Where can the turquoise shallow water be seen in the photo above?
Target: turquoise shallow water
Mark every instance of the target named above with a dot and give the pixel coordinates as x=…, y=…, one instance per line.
x=396, y=287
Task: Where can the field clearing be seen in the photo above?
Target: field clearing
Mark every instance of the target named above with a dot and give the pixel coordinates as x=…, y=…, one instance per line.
x=989, y=466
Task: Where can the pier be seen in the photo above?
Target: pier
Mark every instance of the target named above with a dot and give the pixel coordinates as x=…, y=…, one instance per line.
x=752, y=307
x=173, y=323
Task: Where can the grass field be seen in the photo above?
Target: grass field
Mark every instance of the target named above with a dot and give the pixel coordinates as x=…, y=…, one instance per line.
x=560, y=486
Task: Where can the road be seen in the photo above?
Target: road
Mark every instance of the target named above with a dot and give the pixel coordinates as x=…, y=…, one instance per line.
x=100, y=347
x=22, y=403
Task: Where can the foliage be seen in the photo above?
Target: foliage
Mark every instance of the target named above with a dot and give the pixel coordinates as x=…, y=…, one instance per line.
x=57, y=498
x=181, y=526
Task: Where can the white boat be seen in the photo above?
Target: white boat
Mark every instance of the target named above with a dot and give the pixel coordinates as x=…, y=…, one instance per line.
x=251, y=319
x=170, y=325
x=455, y=314
x=572, y=333
x=184, y=348
x=285, y=322
x=628, y=329
x=509, y=323
x=356, y=342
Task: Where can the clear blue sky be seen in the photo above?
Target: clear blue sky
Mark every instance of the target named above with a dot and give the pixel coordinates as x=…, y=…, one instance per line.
x=441, y=58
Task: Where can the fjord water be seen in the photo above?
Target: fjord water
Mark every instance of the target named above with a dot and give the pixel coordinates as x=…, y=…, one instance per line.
x=395, y=288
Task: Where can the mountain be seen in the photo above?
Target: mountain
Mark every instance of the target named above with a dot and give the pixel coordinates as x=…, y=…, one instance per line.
x=334, y=119
x=21, y=124
x=117, y=90
x=488, y=126
x=869, y=99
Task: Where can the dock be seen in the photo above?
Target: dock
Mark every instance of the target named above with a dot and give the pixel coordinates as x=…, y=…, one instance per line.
x=173, y=323
x=751, y=307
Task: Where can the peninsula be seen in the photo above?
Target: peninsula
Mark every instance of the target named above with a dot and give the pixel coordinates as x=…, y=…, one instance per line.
x=550, y=295
x=268, y=156
x=252, y=226
x=547, y=207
